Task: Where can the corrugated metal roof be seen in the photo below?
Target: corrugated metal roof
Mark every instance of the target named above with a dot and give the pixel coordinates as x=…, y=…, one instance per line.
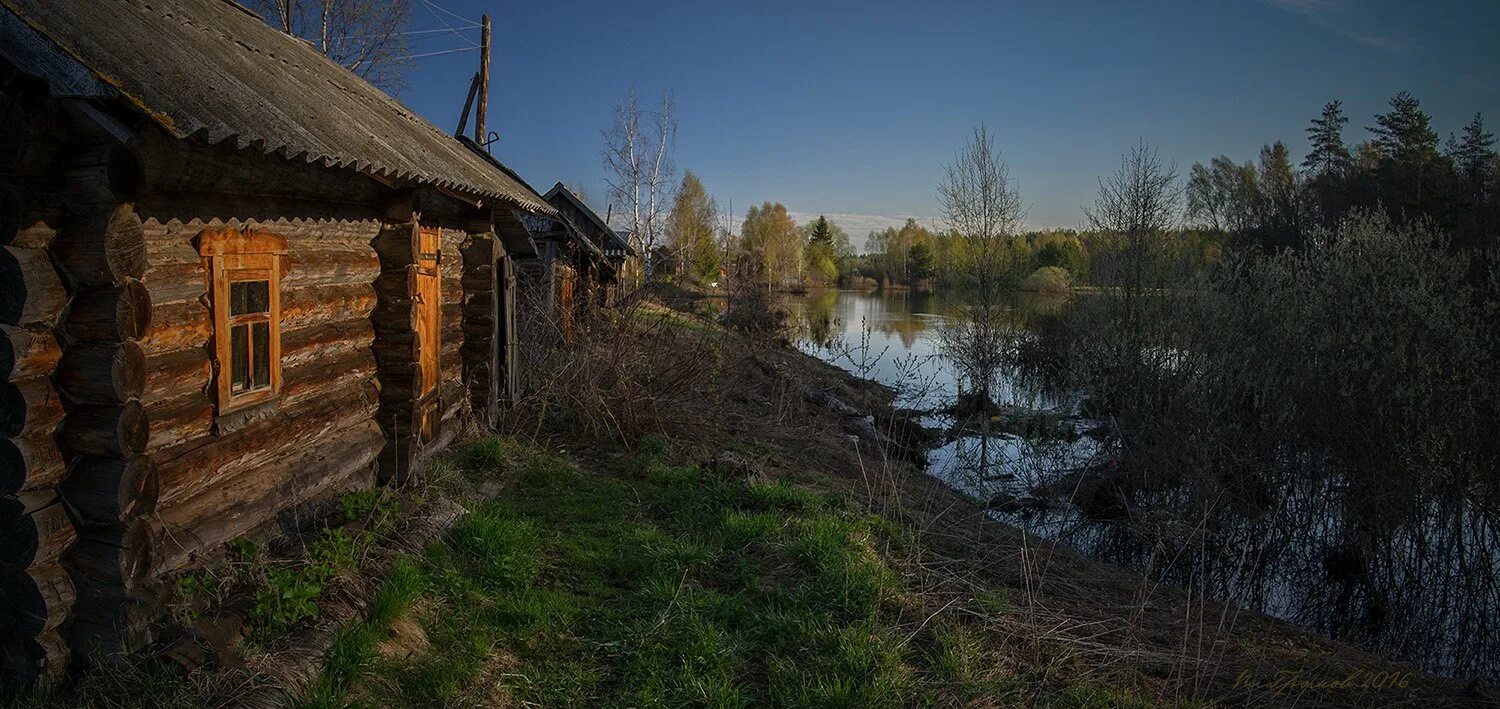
x=210, y=69
x=560, y=190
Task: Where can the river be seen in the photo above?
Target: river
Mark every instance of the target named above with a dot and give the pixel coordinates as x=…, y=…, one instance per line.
x=1413, y=606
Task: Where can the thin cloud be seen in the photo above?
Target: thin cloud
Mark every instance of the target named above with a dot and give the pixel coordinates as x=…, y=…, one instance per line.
x=1334, y=15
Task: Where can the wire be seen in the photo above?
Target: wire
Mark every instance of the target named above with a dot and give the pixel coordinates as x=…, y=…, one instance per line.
x=440, y=29
x=433, y=5
x=432, y=8
x=441, y=53
x=403, y=34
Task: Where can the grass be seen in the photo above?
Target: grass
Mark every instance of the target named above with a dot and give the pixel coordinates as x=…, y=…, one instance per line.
x=663, y=586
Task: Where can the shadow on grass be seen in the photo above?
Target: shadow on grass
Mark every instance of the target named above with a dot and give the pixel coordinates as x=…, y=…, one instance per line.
x=668, y=585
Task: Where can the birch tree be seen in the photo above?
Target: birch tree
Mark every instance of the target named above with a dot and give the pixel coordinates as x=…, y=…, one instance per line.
x=639, y=169
x=982, y=205
x=1136, y=210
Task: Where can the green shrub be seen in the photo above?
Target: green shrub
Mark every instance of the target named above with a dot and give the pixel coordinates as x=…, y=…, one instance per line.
x=1048, y=279
x=288, y=597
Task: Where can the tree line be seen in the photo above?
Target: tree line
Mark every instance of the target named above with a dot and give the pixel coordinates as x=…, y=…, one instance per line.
x=1401, y=168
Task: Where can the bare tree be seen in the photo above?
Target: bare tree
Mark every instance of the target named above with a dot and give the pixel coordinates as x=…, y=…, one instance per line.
x=363, y=35
x=1135, y=210
x=982, y=204
x=1134, y=214
x=639, y=169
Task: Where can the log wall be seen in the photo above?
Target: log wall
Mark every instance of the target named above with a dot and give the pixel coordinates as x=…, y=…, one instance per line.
x=480, y=329
x=116, y=467
x=396, y=339
x=100, y=247
x=223, y=477
x=35, y=527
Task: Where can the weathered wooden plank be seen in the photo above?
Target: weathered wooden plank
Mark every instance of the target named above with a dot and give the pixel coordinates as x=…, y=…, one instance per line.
x=29, y=407
x=33, y=463
x=110, y=313
x=322, y=264
x=177, y=374
x=31, y=291
x=303, y=307
x=36, y=228
x=108, y=623
x=111, y=557
x=110, y=431
x=179, y=422
x=317, y=377
x=175, y=167
x=34, y=662
x=238, y=504
x=324, y=340
x=38, y=597
x=262, y=442
x=171, y=282
x=102, y=372
x=36, y=537
x=27, y=351
x=176, y=327
x=103, y=492
x=102, y=245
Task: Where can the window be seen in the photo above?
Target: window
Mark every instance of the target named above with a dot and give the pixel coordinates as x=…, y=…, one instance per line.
x=249, y=336
x=244, y=280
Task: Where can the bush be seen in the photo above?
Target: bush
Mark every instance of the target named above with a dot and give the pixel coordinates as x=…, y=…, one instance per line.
x=1336, y=402
x=1048, y=279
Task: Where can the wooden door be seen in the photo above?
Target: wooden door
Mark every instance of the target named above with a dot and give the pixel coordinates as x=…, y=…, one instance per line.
x=427, y=295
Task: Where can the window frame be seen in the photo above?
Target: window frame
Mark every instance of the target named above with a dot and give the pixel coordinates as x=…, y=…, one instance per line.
x=235, y=256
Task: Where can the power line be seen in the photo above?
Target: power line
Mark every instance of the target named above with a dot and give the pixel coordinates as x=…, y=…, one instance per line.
x=432, y=4
x=440, y=53
x=433, y=8
x=382, y=35
x=440, y=29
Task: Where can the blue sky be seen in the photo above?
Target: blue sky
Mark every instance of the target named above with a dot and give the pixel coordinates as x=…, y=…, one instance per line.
x=853, y=108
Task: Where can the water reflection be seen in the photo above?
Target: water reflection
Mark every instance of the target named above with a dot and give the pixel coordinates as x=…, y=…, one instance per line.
x=1409, y=591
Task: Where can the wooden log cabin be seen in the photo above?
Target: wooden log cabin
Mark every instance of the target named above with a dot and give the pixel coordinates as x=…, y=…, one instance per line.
x=235, y=280
x=554, y=286
x=609, y=250
x=578, y=265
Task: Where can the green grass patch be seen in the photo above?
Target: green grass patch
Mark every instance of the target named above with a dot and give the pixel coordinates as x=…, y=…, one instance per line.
x=663, y=586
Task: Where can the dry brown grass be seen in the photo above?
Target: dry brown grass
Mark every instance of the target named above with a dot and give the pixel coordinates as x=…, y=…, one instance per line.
x=1055, y=613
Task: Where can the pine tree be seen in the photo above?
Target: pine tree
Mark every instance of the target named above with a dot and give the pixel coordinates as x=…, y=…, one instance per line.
x=1474, y=153
x=821, y=234
x=1404, y=134
x=1327, y=137
x=1410, y=166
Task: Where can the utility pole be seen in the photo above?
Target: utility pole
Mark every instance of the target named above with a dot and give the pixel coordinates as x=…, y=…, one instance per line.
x=484, y=81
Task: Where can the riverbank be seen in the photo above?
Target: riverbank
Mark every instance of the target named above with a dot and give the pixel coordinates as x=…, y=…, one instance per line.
x=755, y=536
x=1165, y=643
